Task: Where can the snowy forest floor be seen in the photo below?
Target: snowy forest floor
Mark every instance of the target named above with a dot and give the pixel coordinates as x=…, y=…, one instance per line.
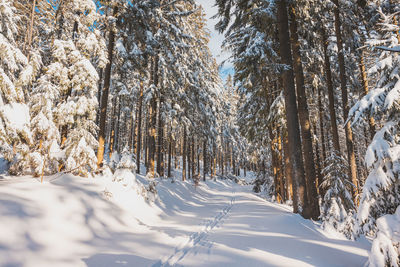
x=70, y=221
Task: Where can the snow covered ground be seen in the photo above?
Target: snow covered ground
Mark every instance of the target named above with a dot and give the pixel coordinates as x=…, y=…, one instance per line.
x=71, y=221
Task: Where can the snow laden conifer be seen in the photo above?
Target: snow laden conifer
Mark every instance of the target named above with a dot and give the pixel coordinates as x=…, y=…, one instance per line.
x=381, y=192
x=386, y=245
x=78, y=112
x=15, y=135
x=337, y=207
x=65, y=94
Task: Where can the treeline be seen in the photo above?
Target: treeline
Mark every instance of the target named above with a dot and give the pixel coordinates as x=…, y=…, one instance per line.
x=321, y=83
x=83, y=81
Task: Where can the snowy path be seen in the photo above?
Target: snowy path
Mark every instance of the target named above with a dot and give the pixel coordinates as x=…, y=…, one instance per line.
x=66, y=223
x=197, y=238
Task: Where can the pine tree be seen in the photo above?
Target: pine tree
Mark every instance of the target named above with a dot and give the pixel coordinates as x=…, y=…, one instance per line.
x=15, y=134
x=337, y=204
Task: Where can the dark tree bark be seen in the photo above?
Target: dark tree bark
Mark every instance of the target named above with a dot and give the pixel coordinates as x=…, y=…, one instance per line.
x=153, y=123
x=146, y=143
x=113, y=122
x=169, y=153
x=364, y=82
x=304, y=119
x=193, y=166
x=299, y=184
x=331, y=98
x=343, y=84
x=184, y=155
x=139, y=127
x=288, y=168
x=321, y=125
x=205, y=167
x=160, y=137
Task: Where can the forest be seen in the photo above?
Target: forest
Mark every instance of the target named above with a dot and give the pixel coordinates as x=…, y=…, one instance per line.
x=312, y=107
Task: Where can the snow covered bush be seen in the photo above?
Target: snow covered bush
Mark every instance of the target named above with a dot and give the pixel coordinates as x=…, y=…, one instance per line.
x=126, y=168
x=385, y=249
x=337, y=205
x=114, y=159
x=264, y=184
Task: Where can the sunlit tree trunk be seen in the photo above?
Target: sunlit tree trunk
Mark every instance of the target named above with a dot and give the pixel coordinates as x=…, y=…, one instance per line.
x=104, y=96
x=304, y=119
x=299, y=185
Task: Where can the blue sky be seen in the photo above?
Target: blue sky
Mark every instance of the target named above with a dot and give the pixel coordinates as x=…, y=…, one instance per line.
x=216, y=39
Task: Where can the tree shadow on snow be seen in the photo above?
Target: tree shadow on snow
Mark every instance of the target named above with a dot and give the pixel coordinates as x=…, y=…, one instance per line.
x=116, y=260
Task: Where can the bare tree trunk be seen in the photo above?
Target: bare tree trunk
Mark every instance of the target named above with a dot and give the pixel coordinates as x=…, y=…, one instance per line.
x=146, y=143
x=104, y=96
x=160, y=159
x=153, y=122
x=27, y=45
x=193, y=167
x=169, y=152
x=117, y=128
x=113, y=122
x=198, y=157
x=349, y=133
x=329, y=83
x=184, y=155
x=300, y=192
x=139, y=127
x=280, y=174
x=318, y=161
x=304, y=119
x=288, y=168
x=205, y=167
x=99, y=89
x=152, y=136
x=321, y=125
x=364, y=82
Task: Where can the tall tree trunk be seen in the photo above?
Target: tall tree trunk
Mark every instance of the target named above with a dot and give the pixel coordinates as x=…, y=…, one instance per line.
x=349, y=133
x=169, y=152
x=104, y=96
x=318, y=161
x=300, y=198
x=184, y=155
x=153, y=122
x=152, y=135
x=280, y=174
x=139, y=127
x=198, y=157
x=160, y=137
x=205, y=167
x=321, y=125
x=146, y=142
x=188, y=157
x=99, y=89
x=364, y=82
x=288, y=168
x=28, y=43
x=331, y=98
x=132, y=130
x=117, y=126
x=304, y=119
x=193, y=167
x=112, y=128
